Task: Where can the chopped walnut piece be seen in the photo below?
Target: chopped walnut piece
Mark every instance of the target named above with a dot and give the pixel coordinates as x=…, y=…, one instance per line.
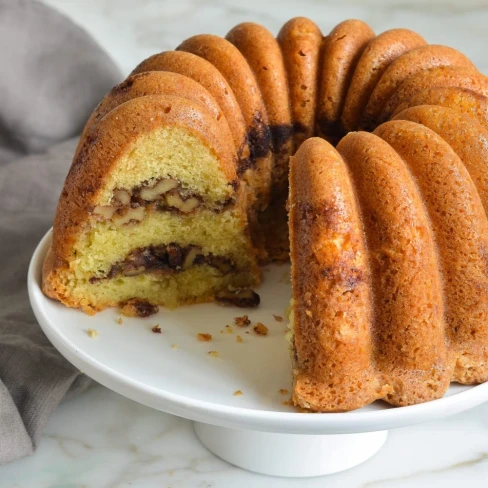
x=283, y=391
x=92, y=333
x=157, y=190
x=175, y=200
x=106, y=212
x=122, y=196
x=278, y=318
x=261, y=329
x=308, y=313
x=138, y=308
x=238, y=393
x=242, y=321
x=135, y=214
x=214, y=354
x=239, y=338
x=204, y=337
x=156, y=329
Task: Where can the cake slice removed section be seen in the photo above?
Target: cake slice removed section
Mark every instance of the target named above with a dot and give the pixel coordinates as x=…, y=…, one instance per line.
x=151, y=212
x=332, y=308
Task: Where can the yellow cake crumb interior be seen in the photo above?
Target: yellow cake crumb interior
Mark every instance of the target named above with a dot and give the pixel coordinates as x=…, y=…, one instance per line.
x=173, y=152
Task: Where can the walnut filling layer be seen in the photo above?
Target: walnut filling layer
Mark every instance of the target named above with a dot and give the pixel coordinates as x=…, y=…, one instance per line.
x=170, y=258
x=166, y=194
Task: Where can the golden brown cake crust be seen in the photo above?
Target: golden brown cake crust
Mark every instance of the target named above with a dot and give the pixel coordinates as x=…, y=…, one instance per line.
x=331, y=277
x=300, y=40
x=263, y=54
x=461, y=232
x=213, y=81
x=463, y=133
x=441, y=76
x=340, y=53
x=113, y=137
x=403, y=67
x=376, y=57
x=409, y=346
x=460, y=99
x=156, y=83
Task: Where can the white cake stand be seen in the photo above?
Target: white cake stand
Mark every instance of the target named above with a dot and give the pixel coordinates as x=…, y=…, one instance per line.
x=173, y=372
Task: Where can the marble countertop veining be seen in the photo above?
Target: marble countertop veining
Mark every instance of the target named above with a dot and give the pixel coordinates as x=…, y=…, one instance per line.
x=103, y=440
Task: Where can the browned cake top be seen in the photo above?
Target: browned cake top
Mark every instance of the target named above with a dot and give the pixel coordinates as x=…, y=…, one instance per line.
x=459, y=99
x=341, y=51
x=403, y=67
x=441, y=76
x=156, y=83
x=377, y=56
x=463, y=133
x=300, y=40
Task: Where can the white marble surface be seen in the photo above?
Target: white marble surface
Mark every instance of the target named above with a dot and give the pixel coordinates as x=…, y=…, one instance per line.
x=103, y=440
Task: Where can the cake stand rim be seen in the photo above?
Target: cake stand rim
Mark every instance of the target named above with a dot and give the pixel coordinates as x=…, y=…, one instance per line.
x=238, y=417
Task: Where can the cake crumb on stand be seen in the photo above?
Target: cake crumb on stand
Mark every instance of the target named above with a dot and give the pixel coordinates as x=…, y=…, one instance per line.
x=261, y=329
x=204, y=337
x=214, y=354
x=156, y=329
x=92, y=333
x=242, y=321
x=238, y=393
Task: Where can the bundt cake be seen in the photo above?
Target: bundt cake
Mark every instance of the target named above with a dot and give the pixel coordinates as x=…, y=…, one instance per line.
x=205, y=163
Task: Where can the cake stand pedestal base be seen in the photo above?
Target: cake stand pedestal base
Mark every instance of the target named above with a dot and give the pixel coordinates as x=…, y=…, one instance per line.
x=289, y=455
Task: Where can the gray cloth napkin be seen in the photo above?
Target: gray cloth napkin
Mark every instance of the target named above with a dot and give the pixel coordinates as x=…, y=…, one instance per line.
x=53, y=74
